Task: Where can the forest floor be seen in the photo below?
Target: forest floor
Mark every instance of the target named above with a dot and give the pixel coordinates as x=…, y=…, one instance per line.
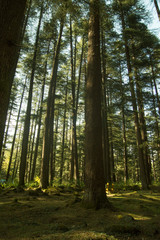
x=58, y=214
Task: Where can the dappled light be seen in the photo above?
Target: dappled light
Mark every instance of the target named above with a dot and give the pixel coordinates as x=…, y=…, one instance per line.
x=79, y=120
x=58, y=213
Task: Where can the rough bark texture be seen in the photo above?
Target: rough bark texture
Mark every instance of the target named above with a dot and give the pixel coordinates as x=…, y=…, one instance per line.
x=11, y=22
x=94, y=195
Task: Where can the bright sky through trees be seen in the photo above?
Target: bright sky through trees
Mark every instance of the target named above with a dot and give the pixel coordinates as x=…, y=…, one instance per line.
x=154, y=25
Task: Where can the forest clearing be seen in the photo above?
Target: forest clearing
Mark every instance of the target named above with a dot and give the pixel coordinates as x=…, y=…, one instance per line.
x=58, y=214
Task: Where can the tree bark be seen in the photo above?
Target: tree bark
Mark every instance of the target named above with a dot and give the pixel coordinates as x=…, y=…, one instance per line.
x=11, y=22
x=94, y=195
x=157, y=8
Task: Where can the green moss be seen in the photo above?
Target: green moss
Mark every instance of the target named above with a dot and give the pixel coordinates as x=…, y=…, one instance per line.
x=62, y=216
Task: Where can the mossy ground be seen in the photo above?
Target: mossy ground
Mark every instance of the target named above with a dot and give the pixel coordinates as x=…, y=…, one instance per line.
x=58, y=214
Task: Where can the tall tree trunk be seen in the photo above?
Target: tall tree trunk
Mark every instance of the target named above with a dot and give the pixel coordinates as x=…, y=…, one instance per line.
x=134, y=104
x=105, y=133
x=32, y=151
x=94, y=195
x=143, y=127
x=155, y=84
x=55, y=139
x=157, y=129
x=6, y=136
x=28, y=112
x=112, y=164
x=15, y=132
x=48, y=134
x=74, y=163
x=29, y=3
x=11, y=22
x=125, y=154
x=16, y=159
x=79, y=76
x=40, y=117
x=157, y=8
x=63, y=135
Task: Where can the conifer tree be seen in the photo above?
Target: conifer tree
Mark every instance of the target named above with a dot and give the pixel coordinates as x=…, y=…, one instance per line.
x=11, y=23
x=94, y=195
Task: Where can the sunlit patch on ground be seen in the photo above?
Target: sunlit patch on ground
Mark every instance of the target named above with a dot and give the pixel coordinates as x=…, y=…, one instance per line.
x=58, y=214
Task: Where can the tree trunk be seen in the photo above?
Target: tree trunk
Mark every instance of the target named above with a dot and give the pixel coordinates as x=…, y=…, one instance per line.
x=11, y=22
x=32, y=151
x=157, y=131
x=74, y=159
x=63, y=135
x=55, y=139
x=143, y=127
x=29, y=3
x=28, y=112
x=157, y=8
x=15, y=132
x=48, y=134
x=112, y=164
x=134, y=104
x=94, y=195
x=16, y=159
x=5, y=137
x=40, y=118
x=155, y=84
x=105, y=133
x=125, y=154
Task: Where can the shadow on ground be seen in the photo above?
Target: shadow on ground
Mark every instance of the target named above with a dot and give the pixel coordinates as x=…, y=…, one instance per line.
x=58, y=214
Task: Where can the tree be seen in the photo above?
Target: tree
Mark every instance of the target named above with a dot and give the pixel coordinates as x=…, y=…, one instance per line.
x=12, y=14
x=29, y=104
x=94, y=195
x=15, y=132
x=48, y=135
x=157, y=8
x=124, y=13
x=74, y=160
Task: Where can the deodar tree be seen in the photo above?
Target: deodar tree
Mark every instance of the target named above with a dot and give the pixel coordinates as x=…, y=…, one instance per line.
x=11, y=23
x=94, y=195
